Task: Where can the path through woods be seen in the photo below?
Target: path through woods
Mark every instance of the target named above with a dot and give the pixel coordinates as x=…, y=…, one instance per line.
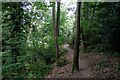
x=64, y=71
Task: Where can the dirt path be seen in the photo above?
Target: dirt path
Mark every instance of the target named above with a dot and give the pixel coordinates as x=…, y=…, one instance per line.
x=64, y=72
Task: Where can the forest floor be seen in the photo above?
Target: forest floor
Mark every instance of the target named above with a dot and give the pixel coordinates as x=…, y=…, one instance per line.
x=92, y=65
x=65, y=71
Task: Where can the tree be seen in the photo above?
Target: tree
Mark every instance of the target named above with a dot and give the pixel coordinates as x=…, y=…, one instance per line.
x=102, y=19
x=56, y=30
x=55, y=34
x=58, y=17
x=75, y=66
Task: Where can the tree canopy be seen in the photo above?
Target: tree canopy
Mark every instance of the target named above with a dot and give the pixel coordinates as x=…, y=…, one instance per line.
x=28, y=38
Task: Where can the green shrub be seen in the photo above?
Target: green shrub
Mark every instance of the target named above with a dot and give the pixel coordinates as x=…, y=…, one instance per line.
x=103, y=64
x=61, y=62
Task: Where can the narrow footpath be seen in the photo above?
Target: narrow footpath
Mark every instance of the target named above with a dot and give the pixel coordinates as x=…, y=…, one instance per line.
x=65, y=71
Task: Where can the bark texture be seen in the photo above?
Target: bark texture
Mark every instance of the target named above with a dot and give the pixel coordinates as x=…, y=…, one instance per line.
x=75, y=66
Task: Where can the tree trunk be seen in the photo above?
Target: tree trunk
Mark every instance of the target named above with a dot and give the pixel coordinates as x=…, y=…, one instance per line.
x=75, y=66
x=58, y=18
x=53, y=18
x=73, y=37
x=55, y=32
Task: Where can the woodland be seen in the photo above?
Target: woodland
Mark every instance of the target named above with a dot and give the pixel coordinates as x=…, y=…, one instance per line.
x=60, y=40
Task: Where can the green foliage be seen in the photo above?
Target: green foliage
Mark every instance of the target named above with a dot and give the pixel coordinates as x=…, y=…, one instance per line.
x=103, y=64
x=61, y=62
x=27, y=67
x=62, y=51
x=27, y=35
x=37, y=69
x=28, y=39
x=33, y=41
x=100, y=22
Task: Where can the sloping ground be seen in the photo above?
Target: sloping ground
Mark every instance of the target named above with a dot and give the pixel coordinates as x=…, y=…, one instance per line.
x=65, y=71
x=92, y=65
x=104, y=66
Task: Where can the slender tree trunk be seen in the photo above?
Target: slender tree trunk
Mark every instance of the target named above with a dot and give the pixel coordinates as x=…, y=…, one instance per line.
x=57, y=29
x=58, y=17
x=73, y=38
x=75, y=66
x=53, y=18
x=33, y=35
x=55, y=32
